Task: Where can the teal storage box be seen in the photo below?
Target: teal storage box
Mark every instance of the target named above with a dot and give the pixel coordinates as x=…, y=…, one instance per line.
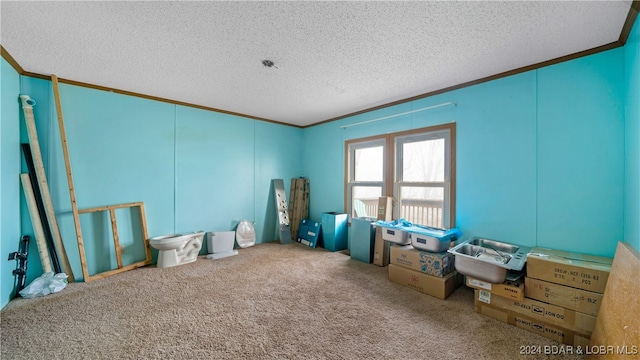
x=334, y=231
x=363, y=239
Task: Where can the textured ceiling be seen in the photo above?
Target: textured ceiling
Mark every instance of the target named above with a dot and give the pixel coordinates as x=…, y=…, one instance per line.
x=331, y=58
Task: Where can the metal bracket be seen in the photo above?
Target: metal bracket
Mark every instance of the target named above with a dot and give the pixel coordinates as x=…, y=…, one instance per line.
x=280, y=196
x=21, y=256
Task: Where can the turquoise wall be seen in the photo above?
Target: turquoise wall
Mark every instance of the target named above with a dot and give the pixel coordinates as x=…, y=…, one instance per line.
x=632, y=137
x=9, y=180
x=545, y=158
x=540, y=155
x=581, y=154
x=193, y=169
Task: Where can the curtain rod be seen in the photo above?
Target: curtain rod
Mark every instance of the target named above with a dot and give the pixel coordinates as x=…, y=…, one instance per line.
x=400, y=114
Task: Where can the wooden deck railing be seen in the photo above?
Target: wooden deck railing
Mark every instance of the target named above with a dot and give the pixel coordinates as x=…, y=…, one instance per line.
x=423, y=212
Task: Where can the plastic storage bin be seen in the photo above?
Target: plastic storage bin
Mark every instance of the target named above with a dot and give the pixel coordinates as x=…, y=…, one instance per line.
x=334, y=231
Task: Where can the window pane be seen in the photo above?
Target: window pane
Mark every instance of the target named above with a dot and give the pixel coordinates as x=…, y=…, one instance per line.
x=423, y=161
x=365, y=200
x=368, y=164
x=422, y=205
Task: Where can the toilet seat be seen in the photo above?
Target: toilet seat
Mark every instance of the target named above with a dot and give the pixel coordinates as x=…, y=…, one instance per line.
x=168, y=239
x=245, y=234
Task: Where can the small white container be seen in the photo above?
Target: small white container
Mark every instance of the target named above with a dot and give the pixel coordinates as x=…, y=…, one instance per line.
x=395, y=236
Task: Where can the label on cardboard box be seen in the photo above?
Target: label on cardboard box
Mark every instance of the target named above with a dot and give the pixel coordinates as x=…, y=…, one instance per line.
x=479, y=284
x=584, y=301
x=550, y=331
x=581, y=271
x=568, y=319
x=545, y=329
x=509, y=289
x=436, y=264
x=440, y=287
x=484, y=296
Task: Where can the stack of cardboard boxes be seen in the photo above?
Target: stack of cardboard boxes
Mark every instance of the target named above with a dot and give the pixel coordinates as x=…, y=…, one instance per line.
x=559, y=299
x=430, y=273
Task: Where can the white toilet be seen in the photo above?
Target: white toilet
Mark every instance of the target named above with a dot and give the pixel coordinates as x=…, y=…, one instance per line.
x=177, y=249
x=220, y=244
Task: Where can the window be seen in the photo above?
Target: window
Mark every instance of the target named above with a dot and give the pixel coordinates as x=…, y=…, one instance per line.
x=367, y=176
x=416, y=168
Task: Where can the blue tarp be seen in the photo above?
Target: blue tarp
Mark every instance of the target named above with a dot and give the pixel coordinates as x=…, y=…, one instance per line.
x=404, y=225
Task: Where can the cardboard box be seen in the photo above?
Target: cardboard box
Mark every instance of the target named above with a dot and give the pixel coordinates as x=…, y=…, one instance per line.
x=435, y=264
x=550, y=314
x=584, y=301
x=440, y=287
x=542, y=328
x=380, y=249
x=513, y=290
x=581, y=271
x=385, y=208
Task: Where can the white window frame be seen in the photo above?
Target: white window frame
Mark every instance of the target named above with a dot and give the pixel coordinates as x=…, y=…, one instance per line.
x=399, y=182
x=351, y=165
x=392, y=171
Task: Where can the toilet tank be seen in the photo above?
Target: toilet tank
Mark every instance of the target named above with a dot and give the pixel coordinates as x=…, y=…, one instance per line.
x=220, y=241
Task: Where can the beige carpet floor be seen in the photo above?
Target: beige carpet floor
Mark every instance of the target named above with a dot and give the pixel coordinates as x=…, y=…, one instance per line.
x=271, y=301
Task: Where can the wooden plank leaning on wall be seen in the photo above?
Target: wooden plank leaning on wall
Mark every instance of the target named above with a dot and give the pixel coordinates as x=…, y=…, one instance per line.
x=43, y=185
x=110, y=208
x=617, y=331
